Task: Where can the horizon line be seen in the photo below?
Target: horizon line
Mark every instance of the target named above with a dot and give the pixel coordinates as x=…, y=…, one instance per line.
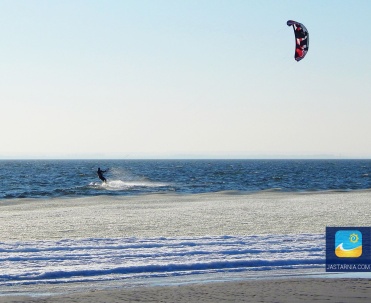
x=193, y=158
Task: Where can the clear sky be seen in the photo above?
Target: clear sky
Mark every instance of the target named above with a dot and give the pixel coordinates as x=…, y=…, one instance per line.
x=184, y=79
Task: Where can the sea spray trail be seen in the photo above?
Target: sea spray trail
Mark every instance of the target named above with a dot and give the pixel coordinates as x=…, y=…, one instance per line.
x=126, y=185
x=98, y=259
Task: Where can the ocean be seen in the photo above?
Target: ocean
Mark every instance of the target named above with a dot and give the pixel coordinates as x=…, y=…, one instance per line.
x=78, y=178
x=162, y=222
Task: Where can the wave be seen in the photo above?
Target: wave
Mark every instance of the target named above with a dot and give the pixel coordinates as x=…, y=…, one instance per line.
x=153, y=269
x=34, y=262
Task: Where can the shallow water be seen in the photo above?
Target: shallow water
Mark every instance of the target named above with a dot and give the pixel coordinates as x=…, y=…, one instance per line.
x=173, y=215
x=112, y=239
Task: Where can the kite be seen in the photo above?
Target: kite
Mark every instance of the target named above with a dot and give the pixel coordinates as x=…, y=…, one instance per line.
x=301, y=39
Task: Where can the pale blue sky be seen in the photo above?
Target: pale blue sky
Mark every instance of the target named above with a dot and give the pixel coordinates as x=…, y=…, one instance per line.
x=164, y=79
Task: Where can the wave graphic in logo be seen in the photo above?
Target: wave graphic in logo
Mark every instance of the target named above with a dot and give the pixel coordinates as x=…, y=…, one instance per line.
x=348, y=244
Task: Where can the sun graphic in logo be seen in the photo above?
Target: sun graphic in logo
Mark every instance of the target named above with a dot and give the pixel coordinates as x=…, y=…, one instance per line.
x=353, y=238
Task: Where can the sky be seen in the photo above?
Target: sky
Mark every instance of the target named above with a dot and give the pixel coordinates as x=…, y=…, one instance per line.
x=184, y=79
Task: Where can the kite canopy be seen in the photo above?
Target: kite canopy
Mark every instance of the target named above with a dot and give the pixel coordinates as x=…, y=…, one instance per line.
x=301, y=39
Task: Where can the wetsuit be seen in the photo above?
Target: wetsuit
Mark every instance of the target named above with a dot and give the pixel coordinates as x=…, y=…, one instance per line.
x=100, y=174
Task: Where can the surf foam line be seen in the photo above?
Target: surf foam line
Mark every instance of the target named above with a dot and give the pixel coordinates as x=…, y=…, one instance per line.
x=73, y=260
x=124, y=185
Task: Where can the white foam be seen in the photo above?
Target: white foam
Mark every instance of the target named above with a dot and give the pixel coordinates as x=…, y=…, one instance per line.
x=125, y=185
x=35, y=262
x=119, y=184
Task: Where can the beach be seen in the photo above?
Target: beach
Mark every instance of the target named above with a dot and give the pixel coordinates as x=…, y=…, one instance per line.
x=282, y=290
x=216, y=247
x=185, y=151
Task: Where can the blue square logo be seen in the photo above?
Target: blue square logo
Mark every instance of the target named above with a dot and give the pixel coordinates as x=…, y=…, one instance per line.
x=348, y=244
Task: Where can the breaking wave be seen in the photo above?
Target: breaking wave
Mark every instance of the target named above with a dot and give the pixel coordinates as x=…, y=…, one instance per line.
x=97, y=259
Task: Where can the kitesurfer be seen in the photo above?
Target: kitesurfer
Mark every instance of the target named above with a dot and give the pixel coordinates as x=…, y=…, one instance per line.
x=100, y=174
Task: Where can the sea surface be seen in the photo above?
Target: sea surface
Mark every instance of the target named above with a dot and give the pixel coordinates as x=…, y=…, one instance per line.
x=160, y=222
x=78, y=178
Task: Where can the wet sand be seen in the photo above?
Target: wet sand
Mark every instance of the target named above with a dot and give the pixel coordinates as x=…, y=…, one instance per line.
x=277, y=290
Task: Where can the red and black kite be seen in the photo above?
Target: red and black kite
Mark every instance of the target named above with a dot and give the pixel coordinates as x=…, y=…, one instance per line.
x=301, y=39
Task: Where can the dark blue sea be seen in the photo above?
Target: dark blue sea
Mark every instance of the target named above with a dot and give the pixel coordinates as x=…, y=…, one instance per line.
x=78, y=178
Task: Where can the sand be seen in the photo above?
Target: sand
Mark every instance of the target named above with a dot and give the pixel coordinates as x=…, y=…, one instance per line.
x=276, y=290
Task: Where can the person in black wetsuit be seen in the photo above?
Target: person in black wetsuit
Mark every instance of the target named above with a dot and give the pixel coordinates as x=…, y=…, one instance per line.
x=100, y=174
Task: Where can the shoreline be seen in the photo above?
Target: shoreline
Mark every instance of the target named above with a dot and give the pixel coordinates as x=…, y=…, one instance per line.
x=81, y=226
x=215, y=283
x=266, y=290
